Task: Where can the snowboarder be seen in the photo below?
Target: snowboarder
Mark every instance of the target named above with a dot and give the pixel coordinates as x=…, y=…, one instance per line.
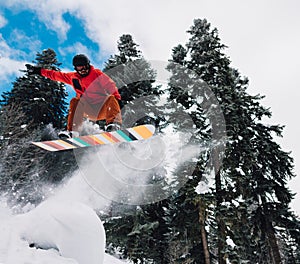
x=96, y=95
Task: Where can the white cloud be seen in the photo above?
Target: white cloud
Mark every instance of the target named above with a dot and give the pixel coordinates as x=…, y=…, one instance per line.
x=10, y=63
x=5, y=49
x=3, y=21
x=21, y=41
x=77, y=48
x=9, y=67
x=154, y=29
x=50, y=12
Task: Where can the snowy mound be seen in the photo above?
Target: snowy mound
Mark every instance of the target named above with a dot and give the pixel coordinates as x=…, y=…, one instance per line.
x=60, y=233
x=73, y=228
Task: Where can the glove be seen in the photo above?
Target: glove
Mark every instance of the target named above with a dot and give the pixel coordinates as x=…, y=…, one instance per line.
x=33, y=69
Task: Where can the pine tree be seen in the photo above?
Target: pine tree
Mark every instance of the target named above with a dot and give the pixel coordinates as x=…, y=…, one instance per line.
x=140, y=232
x=28, y=113
x=20, y=162
x=135, y=80
x=250, y=197
x=43, y=101
x=139, y=229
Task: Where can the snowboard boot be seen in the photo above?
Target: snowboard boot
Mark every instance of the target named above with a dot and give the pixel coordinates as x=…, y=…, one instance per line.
x=68, y=134
x=112, y=127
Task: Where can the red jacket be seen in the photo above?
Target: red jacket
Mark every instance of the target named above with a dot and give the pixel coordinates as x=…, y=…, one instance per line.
x=95, y=87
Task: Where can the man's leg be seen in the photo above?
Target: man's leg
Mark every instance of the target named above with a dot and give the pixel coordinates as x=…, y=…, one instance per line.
x=110, y=111
x=75, y=116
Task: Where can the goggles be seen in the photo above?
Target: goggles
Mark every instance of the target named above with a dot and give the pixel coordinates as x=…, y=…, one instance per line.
x=82, y=69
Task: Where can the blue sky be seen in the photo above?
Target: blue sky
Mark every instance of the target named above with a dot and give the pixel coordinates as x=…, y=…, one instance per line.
x=262, y=37
x=27, y=35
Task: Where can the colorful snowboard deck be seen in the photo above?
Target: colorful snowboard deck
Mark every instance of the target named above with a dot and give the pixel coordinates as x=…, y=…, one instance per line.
x=124, y=135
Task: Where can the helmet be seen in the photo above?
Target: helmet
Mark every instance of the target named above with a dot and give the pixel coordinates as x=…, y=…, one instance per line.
x=80, y=60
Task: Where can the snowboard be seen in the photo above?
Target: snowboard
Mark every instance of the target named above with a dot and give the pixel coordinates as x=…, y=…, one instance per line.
x=141, y=132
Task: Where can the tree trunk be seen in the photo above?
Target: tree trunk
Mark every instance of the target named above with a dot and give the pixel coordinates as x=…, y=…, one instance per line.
x=219, y=199
x=274, y=249
x=202, y=208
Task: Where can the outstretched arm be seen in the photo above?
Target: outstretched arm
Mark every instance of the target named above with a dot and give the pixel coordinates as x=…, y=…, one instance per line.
x=51, y=74
x=57, y=76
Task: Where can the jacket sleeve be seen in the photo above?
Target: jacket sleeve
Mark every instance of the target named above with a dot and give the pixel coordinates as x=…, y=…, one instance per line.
x=109, y=86
x=58, y=76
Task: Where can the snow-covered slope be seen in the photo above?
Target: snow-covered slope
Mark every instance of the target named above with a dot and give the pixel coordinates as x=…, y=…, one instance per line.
x=60, y=233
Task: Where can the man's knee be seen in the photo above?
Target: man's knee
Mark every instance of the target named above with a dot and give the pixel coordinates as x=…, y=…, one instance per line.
x=112, y=102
